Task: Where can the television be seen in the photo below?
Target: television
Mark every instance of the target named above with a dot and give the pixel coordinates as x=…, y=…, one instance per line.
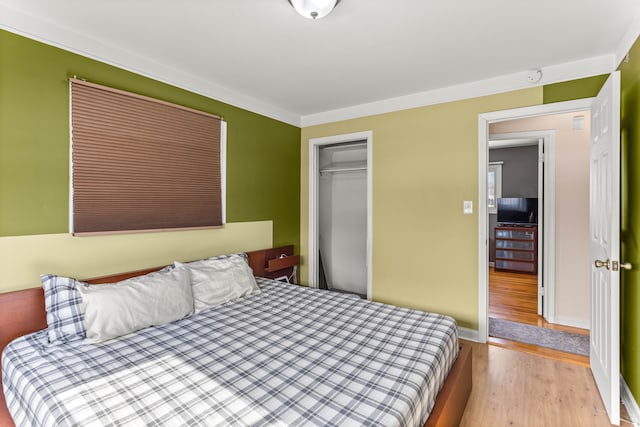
x=518, y=210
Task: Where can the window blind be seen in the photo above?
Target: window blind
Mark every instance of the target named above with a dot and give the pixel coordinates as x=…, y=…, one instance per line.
x=142, y=164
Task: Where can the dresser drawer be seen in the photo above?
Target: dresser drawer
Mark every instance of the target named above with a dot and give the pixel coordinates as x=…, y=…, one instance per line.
x=514, y=244
x=529, y=267
x=515, y=255
x=515, y=234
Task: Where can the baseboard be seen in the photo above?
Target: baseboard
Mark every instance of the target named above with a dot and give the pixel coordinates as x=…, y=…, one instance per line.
x=468, y=334
x=570, y=321
x=629, y=402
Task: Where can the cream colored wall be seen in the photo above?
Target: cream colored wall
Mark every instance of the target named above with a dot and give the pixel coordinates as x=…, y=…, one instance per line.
x=572, y=211
x=425, y=163
x=26, y=257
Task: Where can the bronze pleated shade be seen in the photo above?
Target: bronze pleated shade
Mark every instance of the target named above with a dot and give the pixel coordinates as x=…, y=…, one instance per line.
x=142, y=164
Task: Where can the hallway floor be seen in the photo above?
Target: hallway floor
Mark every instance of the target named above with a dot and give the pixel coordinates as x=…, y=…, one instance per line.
x=514, y=296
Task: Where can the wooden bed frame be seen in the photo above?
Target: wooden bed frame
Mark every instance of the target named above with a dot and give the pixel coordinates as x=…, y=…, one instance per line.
x=23, y=312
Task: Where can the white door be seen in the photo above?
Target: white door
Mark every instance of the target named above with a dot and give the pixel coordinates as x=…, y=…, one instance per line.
x=605, y=244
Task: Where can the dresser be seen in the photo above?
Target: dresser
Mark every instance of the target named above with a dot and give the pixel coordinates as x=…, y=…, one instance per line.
x=516, y=249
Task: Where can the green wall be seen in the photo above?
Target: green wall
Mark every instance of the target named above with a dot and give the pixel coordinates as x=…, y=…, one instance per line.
x=630, y=221
x=263, y=166
x=573, y=89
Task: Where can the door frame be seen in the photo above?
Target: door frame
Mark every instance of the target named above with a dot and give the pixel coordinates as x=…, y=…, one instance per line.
x=314, y=181
x=484, y=119
x=546, y=196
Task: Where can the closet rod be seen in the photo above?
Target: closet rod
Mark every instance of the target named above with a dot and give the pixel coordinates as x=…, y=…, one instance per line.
x=361, y=168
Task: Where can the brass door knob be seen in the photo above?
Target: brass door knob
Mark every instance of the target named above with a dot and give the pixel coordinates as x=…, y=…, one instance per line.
x=615, y=265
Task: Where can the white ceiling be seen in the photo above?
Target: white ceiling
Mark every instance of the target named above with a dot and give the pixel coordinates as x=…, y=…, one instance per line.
x=367, y=56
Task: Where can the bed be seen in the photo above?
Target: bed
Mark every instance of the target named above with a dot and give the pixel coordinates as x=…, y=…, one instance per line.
x=287, y=355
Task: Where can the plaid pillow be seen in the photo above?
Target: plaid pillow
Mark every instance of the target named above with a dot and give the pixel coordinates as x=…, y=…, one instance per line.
x=62, y=301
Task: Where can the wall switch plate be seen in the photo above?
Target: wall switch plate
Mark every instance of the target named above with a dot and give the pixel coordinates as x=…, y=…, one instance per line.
x=467, y=207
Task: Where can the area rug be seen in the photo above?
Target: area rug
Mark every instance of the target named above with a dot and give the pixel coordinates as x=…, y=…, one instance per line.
x=543, y=337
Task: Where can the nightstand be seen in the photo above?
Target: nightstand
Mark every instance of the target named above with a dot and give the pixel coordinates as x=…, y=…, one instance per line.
x=275, y=263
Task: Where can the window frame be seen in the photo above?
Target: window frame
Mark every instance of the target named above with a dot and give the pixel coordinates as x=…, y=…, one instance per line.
x=494, y=168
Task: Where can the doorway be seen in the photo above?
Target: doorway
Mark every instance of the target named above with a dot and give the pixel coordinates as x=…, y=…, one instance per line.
x=553, y=287
x=526, y=180
x=340, y=208
x=342, y=215
x=521, y=275
x=603, y=230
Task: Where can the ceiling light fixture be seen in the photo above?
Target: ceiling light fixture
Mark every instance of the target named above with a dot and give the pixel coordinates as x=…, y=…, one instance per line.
x=314, y=9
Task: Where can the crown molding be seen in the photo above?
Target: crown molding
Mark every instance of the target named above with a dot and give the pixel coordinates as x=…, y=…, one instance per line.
x=64, y=38
x=553, y=74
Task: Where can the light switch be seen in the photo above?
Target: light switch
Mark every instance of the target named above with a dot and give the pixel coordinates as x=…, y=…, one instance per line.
x=467, y=207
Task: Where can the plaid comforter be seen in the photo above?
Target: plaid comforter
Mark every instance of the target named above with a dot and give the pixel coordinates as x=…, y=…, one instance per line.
x=288, y=356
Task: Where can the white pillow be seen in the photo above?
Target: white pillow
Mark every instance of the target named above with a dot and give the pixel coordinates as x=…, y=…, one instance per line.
x=116, y=309
x=215, y=281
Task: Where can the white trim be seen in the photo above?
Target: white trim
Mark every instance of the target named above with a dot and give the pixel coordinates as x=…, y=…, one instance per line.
x=629, y=401
x=223, y=169
x=538, y=110
x=55, y=35
x=314, y=145
x=468, y=334
x=549, y=236
x=553, y=74
x=71, y=230
x=483, y=230
x=508, y=143
x=483, y=152
x=496, y=167
x=572, y=321
x=370, y=215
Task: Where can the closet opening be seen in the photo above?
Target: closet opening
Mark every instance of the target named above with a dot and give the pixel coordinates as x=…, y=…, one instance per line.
x=340, y=214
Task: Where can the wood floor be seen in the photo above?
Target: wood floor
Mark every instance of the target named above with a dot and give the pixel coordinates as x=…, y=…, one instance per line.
x=514, y=296
x=512, y=388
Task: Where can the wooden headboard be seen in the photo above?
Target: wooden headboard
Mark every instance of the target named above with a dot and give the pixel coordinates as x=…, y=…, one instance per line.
x=22, y=312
